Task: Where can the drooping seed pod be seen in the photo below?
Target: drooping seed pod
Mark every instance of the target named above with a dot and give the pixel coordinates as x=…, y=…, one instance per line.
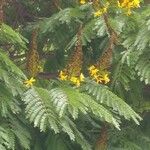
x=33, y=56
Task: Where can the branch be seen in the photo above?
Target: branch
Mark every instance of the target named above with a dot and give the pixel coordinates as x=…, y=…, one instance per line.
x=48, y=75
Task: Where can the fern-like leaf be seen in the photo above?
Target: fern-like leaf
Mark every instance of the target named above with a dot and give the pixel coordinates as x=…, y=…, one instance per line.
x=72, y=100
x=143, y=67
x=104, y=96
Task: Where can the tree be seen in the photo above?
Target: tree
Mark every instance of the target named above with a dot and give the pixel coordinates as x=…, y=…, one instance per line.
x=74, y=75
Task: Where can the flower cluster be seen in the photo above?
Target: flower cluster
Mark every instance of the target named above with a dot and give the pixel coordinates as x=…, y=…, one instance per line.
x=101, y=76
x=75, y=80
x=129, y=4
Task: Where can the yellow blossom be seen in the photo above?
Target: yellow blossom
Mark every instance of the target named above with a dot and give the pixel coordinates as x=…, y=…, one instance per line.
x=129, y=12
x=91, y=67
x=98, y=79
x=136, y=3
x=29, y=82
x=40, y=69
x=106, y=78
x=82, y=2
x=128, y=5
x=104, y=9
x=107, y=4
x=95, y=76
x=78, y=83
x=75, y=80
x=62, y=76
x=81, y=77
x=93, y=72
x=99, y=75
x=119, y=5
x=98, y=13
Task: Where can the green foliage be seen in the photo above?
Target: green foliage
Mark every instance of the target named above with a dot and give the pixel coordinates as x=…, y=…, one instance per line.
x=11, y=75
x=9, y=36
x=14, y=134
x=57, y=115
x=105, y=96
x=143, y=67
x=74, y=101
x=131, y=138
x=41, y=111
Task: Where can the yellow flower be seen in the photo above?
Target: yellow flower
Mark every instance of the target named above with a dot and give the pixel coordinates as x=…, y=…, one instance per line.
x=78, y=83
x=98, y=79
x=40, y=69
x=106, y=78
x=94, y=72
x=129, y=4
x=98, y=13
x=29, y=82
x=75, y=80
x=82, y=77
x=82, y=2
x=104, y=9
x=129, y=12
x=119, y=5
x=136, y=3
x=91, y=67
x=62, y=76
x=99, y=75
x=95, y=76
x=107, y=4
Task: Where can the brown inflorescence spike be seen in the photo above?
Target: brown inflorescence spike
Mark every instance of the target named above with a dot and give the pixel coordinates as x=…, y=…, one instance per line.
x=105, y=59
x=99, y=71
x=72, y=71
x=33, y=56
x=75, y=62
